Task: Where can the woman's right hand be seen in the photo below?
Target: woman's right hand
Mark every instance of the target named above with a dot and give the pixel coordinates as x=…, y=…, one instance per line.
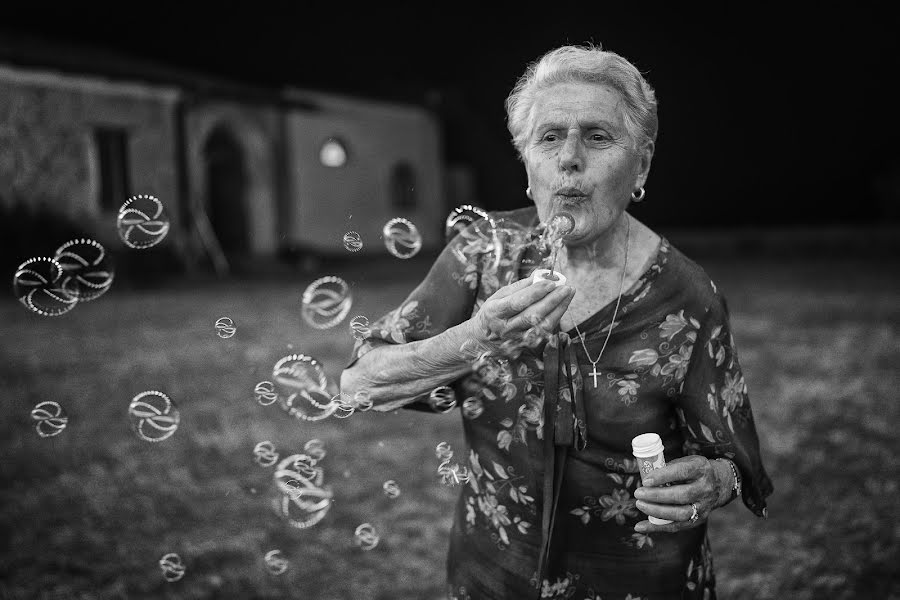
x=514, y=309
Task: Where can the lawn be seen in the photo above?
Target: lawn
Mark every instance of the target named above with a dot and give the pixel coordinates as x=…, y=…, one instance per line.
x=88, y=513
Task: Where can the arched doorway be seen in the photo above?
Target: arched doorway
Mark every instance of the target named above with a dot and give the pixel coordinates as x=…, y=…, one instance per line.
x=226, y=185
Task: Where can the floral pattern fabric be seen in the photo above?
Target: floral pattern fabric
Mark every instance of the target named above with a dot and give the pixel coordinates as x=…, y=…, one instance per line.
x=549, y=508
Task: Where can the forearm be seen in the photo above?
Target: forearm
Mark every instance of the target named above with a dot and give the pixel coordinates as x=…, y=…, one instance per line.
x=395, y=375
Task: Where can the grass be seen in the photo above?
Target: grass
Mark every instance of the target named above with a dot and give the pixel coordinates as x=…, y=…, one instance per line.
x=88, y=514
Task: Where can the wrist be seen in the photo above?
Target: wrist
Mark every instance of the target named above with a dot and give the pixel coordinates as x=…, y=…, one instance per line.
x=729, y=481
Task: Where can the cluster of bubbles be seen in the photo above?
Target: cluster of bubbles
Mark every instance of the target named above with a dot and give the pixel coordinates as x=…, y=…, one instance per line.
x=225, y=328
x=142, y=222
x=172, y=567
x=366, y=537
x=401, y=238
x=303, y=500
x=50, y=418
x=153, y=415
x=326, y=302
x=451, y=473
x=79, y=271
x=352, y=241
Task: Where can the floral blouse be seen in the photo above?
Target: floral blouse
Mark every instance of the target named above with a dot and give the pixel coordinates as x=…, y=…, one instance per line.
x=548, y=510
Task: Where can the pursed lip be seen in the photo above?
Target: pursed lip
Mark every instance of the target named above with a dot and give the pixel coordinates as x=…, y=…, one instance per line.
x=573, y=193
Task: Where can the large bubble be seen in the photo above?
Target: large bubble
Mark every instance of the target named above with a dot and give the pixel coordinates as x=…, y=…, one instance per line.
x=401, y=238
x=460, y=218
x=153, y=415
x=303, y=501
x=326, y=302
x=142, y=222
x=87, y=269
x=38, y=284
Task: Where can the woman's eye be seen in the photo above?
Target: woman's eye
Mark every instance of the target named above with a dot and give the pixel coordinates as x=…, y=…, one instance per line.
x=599, y=137
x=549, y=137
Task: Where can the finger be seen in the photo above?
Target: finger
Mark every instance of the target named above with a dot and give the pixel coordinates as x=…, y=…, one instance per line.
x=679, y=512
x=551, y=321
x=648, y=527
x=538, y=313
x=506, y=290
x=518, y=301
x=675, y=494
x=686, y=468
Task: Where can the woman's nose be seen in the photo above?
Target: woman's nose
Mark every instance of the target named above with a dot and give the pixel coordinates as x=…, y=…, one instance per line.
x=571, y=156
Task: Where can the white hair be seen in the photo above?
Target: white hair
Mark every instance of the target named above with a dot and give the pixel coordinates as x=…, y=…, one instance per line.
x=586, y=64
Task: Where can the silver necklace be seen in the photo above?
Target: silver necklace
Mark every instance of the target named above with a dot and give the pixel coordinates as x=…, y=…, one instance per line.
x=594, y=372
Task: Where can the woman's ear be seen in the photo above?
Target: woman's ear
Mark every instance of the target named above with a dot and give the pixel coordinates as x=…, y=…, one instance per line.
x=646, y=157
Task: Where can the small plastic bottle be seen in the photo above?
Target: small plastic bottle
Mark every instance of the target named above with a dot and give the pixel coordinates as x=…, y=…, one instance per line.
x=648, y=450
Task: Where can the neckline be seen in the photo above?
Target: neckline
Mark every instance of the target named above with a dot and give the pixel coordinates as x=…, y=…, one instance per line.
x=646, y=276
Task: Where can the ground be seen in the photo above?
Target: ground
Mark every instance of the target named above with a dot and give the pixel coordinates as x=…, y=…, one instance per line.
x=88, y=513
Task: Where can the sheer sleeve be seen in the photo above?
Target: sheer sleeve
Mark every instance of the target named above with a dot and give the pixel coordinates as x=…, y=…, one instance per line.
x=446, y=297
x=714, y=407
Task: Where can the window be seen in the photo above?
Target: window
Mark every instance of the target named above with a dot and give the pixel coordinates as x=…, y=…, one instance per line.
x=403, y=186
x=115, y=183
x=333, y=153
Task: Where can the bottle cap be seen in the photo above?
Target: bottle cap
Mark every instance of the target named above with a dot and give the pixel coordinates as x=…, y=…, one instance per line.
x=548, y=275
x=646, y=445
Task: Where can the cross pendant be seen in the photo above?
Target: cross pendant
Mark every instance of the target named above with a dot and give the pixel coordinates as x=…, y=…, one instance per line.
x=595, y=374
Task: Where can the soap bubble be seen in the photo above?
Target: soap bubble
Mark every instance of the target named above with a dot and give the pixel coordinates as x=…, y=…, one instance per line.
x=153, y=415
x=366, y=537
x=300, y=372
x=265, y=393
x=352, y=241
x=391, y=489
x=308, y=405
x=315, y=448
x=303, y=501
x=50, y=418
x=493, y=370
x=401, y=238
x=359, y=325
x=225, y=328
x=442, y=399
x=326, y=302
x=142, y=222
x=275, y=564
x=172, y=567
x=38, y=285
x=460, y=218
x=443, y=451
x=472, y=407
x=453, y=474
x=265, y=455
x=87, y=269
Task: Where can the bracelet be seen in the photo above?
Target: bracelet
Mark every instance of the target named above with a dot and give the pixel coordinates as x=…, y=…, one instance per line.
x=736, y=488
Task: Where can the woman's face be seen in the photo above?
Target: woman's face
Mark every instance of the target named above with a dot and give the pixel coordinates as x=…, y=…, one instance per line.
x=580, y=158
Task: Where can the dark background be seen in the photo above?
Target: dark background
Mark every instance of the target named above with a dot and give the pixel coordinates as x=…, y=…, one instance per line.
x=766, y=117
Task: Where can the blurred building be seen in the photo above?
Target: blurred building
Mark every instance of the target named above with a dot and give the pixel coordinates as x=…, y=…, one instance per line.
x=244, y=172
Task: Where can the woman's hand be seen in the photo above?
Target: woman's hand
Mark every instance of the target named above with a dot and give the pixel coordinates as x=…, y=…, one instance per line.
x=693, y=479
x=514, y=309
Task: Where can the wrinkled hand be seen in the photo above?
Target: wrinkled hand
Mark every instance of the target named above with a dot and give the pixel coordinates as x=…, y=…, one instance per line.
x=693, y=479
x=517, y=308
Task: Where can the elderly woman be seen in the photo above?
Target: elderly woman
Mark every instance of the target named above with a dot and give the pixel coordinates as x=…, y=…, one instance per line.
x=637, y=340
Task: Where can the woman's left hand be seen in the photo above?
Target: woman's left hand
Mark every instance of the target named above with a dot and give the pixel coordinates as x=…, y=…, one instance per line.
x=693, y=479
